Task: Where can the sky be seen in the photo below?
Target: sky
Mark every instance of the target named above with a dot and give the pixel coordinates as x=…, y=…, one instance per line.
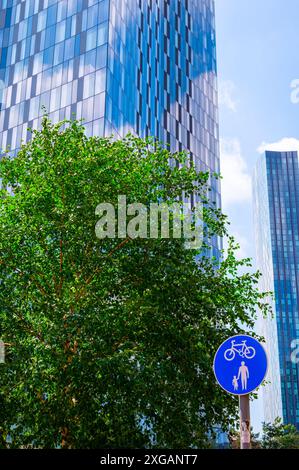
x=258, y=81
x=258, y=59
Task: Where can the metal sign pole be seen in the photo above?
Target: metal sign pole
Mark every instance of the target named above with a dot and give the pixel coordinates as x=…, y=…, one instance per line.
x=245, y=440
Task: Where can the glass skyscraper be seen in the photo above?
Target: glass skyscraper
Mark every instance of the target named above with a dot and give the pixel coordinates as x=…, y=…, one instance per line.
x=141, y=66
x=276, y=213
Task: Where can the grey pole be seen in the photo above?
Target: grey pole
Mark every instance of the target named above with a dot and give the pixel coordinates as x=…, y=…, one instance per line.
x=245, y=440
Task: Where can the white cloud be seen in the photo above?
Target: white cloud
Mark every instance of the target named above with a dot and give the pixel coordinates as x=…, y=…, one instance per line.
x=287, y=144
x=226, y=92
x=236, y=182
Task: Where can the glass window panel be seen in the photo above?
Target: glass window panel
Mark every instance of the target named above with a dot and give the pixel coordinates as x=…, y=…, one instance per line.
x=60, y=31
x=52, y=14
x=46, y=80
x=22, y=30
x=84, y=20
x=13, y=55
x=102, y=34
x=103, y=11
x=37, y=63
x=28, y=88
x=48, y=57
x=88, y=86
x=45, y=100
x=77, y=45
x=19, y=90
x=23, y=49
x=55, y=99
x=100, y=82
x=14, y=138
x=41, y=20
x=73, y=27
x=21, y=113
x=66, y=95
x=34, y=108
x=70, y=70
x=18, y=10
x=90, y=61
x=69, y=49
x=32, y=44
x=61, y=10
x=57, y=75
x=99, y=106
x=4, y=140
x=101, y=57
x=81, y=66
x=38, y=84
x=26, y=49
x=41, y=44
x=91, y=39
x=13, y=116
x=58, y=53
x=25, y=69
x=98, y=127
x=92, y=16
x=74, y=91
x=68, y=28
x=87, y=111
x=88, y=129
x=71, y=7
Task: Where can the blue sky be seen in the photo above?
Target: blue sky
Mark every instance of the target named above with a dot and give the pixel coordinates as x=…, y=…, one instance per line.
x=258, y=59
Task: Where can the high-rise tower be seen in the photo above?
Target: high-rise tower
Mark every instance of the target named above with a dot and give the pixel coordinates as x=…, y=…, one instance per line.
x=276, y=211
x=145, y=66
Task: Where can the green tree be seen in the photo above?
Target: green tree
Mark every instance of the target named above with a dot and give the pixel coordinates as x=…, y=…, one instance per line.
x=110, y=343
x=280, y=436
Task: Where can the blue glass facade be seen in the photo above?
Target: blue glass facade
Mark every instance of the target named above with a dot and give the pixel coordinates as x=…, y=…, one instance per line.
x=53, y=54
x=145, y=66
x=279, y=189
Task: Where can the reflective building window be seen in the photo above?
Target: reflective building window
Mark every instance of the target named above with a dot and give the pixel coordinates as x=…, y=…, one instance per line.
x=159, y=71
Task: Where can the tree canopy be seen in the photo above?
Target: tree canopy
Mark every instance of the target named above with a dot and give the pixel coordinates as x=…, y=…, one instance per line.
x=278, y=435
x=110, y=342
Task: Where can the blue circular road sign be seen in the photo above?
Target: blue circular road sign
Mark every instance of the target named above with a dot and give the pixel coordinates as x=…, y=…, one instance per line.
x=240, y=364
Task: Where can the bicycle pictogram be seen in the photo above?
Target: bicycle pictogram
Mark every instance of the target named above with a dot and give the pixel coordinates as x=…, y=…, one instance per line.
x=242, y=349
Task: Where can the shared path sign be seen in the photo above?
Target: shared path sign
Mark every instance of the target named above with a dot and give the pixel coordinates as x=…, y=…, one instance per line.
x=240, y=364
